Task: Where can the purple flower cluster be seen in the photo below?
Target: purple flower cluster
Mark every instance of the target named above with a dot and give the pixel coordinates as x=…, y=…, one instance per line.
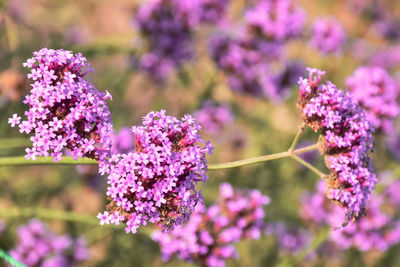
x=386, y=58
x=328, y=36
x=378, y=230
x=38, y=246
x=376, y=92
x=65, y=110
x=208, y=238
x=244, y=64
x=284, y=80
x=156, y=182
x=275, y=20
x=388, y=28
x=346, y=140
x=213, y=118
x=167, y=26
x=246, y=59
x=317, y=210
x=211, y=11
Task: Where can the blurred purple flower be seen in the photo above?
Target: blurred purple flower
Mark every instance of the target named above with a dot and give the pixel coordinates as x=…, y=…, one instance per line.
x=275, y=20
x=284, y=80
x=290, y=240
x=393, y=143
x=167, y=26
x=208, y=238
x=386, y=58
x=375, y=90
x=388, y=28
x=245, y=63
x=371, y=9
x=214, y=118
x=378, y=230
x=212, y=11
x=123, y=141
x=328, y=35
x=38, y=246
x=77, y=35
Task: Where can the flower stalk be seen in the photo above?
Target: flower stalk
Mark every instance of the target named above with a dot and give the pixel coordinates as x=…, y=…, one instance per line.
x=22, y=161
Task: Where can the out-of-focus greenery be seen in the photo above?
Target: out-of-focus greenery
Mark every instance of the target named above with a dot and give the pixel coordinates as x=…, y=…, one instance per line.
x=104, y=33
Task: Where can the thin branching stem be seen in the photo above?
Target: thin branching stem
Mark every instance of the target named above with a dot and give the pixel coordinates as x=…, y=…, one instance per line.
x=250, y=161
x=309, y=166
x=297, y=137
x=22, y=161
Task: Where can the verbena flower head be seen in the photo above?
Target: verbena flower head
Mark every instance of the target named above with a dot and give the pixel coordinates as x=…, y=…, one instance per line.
x=167, y=26
x=328, y=35
x=212, y=11
x=38, y=246
x=65, y=110
x=378, y=230
x=376, y=92
x=276, y=20
x=208, y=238
x=157, y=181
x=214, y=118
x=346, y=140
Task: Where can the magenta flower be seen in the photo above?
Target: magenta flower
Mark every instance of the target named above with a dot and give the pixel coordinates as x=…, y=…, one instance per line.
x=346, y=140
x=15, y=120
x=328, y=36
x=65, y=111
x=156, y=182
x=208, y=238
x=38, y=246
x=376, y=92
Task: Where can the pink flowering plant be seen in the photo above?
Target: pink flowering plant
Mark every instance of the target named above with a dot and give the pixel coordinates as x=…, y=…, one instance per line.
x=213, y=132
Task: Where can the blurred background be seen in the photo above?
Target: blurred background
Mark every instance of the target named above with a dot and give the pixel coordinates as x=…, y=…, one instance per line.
x=239, y=121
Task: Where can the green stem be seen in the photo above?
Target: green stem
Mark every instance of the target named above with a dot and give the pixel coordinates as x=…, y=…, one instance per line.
x=7, y=143
x=22, y=161
x=309, y=166
x=8, y=258
x=239, y=163
x=14, y=212
x=297, y=137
